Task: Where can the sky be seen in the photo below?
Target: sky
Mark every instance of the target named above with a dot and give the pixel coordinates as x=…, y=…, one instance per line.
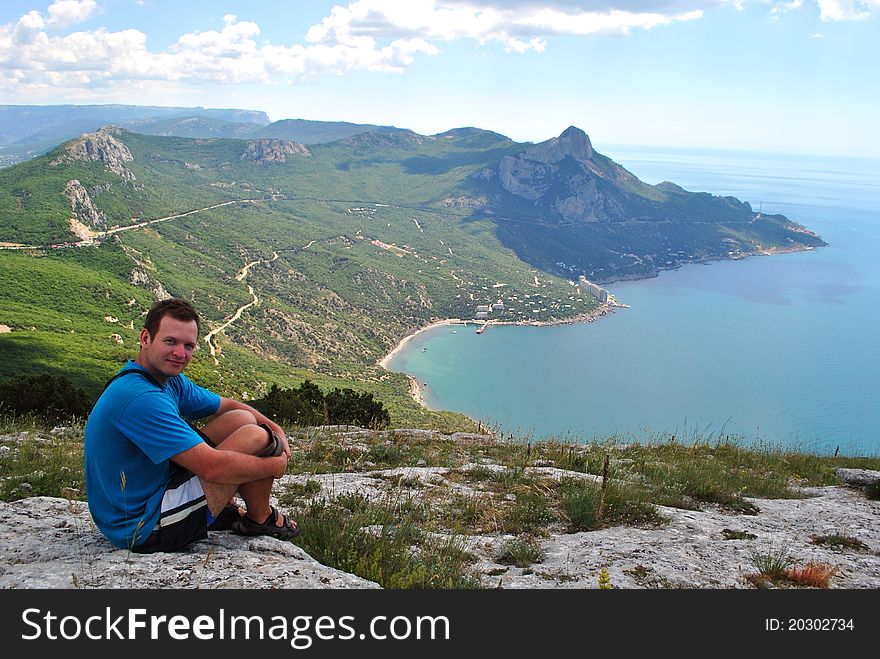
x=791, y=76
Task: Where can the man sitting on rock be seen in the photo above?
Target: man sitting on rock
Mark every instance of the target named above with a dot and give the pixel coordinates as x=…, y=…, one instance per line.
x=156, y=484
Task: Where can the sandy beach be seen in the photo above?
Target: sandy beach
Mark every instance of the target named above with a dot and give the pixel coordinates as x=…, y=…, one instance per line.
x=387, y=358
x=415, y=388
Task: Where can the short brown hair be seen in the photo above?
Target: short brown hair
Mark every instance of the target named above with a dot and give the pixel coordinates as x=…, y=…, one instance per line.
x=175, y=307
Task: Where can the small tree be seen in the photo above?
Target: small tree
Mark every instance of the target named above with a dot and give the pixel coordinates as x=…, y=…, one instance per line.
x=306, y=405
x=301, y=406
x=349, y=407
x=52, y=397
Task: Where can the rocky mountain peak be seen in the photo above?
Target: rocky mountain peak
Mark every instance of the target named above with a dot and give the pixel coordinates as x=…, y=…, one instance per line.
x=572, y=142
x=533, y=173
x=102, y=146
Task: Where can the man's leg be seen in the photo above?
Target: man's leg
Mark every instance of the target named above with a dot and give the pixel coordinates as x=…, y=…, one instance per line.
x=221, y=427
x=237, y=430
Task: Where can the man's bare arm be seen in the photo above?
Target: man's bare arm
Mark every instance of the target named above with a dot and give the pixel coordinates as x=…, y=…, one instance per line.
x=227, y=404
x=230, y=467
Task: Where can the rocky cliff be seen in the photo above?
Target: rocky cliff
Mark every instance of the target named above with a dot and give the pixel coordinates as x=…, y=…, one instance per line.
x=560, y=175
x=273, y=151
x=566, y=208
x=82, y=206
x=100, y=146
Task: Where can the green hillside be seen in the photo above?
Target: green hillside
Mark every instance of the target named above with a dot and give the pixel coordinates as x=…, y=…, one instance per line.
x=350, y=245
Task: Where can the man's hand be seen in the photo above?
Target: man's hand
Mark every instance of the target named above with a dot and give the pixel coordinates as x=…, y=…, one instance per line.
x=282, y=464
x=281, y=436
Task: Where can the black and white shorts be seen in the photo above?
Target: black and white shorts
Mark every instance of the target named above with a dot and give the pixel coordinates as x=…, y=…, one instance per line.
x=184, y=516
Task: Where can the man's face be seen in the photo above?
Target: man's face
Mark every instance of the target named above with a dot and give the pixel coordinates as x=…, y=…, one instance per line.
x=170, y=350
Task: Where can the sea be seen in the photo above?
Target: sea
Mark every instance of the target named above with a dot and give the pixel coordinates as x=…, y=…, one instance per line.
x=777, y=351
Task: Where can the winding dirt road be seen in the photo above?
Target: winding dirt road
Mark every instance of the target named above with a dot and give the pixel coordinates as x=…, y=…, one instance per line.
x=209, y=338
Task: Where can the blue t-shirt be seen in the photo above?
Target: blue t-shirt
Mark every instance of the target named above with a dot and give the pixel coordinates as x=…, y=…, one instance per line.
x=132, y=433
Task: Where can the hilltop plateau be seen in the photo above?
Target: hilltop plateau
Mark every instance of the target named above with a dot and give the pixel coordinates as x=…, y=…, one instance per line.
x=420, y=509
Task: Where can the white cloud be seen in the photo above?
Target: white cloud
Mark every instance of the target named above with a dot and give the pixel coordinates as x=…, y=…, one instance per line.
x=31, y=59
x=519, y=25
x=28, y=27
x=364, y=35
x=68, y=12
x=847, y=10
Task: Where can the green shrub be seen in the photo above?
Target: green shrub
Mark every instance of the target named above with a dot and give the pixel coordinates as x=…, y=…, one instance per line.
x=386, y=454
x=627, y=505
x=52, y=397
x=580, y=504
x=300, y=406
x=306, y=405
x=345, y=406
x=530, y=513
x=521, y=552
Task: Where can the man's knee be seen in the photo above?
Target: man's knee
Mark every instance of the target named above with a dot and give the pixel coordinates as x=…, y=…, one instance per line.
x=249, y=438
x=234, y=419
x=223, y=426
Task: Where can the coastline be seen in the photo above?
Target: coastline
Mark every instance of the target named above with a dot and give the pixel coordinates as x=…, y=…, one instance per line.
x=761, y=251
x=415, y=389
x=439, y=323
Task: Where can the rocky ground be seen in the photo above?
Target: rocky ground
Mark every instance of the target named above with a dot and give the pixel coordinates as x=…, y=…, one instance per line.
x=51, y=543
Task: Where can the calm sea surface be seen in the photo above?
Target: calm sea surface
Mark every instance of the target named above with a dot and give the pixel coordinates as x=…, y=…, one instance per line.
x=782, y=349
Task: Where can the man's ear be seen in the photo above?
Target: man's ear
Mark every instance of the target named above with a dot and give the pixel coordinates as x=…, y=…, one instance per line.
x=145, y=337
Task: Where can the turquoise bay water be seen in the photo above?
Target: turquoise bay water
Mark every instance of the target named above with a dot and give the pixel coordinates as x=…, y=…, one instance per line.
x=781, y=349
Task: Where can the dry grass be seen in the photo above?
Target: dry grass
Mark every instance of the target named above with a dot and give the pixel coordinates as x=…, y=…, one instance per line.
x=811, y=575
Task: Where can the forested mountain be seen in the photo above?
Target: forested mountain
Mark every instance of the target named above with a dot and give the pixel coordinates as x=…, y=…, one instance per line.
x=330, y=251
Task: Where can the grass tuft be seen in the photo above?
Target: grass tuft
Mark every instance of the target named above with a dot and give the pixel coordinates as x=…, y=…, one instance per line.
x=771, y=561
x=730, y=534
x=521, y=551
x=384, y=542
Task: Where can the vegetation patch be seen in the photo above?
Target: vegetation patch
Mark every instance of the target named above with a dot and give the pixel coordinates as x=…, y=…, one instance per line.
x=731, y=534
x=307, y=405
x=384, y=542
x=811, y=575
x=415, y=536
x=841, y=542
x=775, y=566
x=53, y=397
x=521, y=551
x=300, y=490
x=770, y=562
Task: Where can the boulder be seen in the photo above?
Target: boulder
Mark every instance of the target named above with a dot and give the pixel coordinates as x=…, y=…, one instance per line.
x=858, y=476
x=47, y=542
